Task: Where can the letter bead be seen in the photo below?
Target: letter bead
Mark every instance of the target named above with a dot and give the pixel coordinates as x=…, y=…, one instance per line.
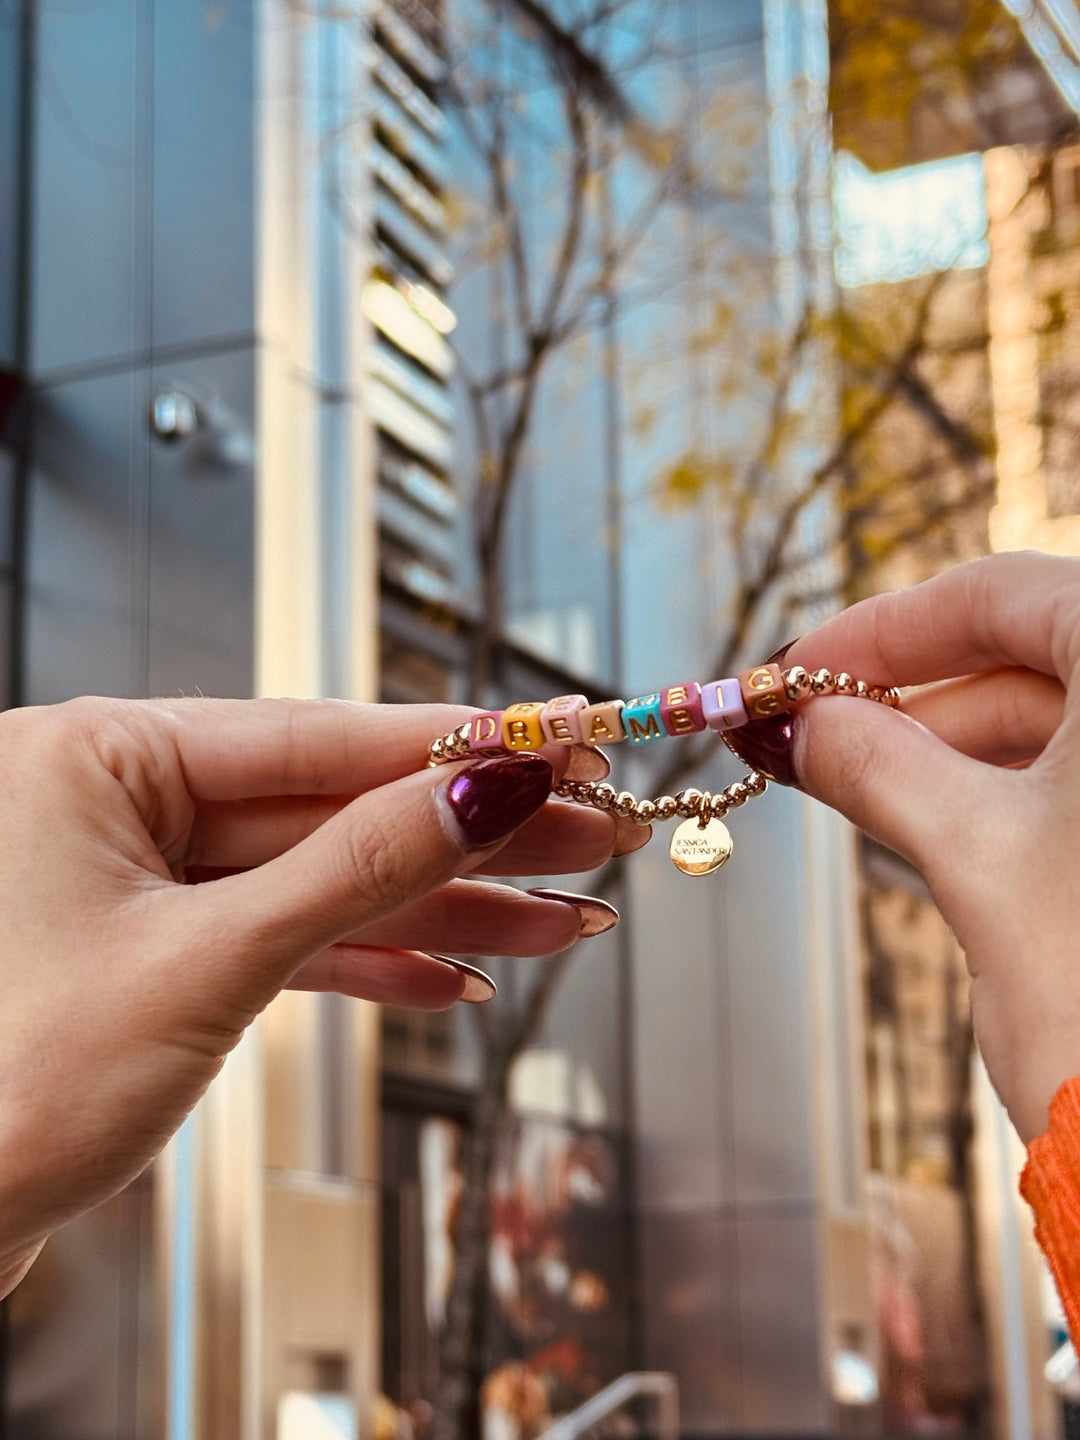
x=722, y=705
x=486, y=732
x=560, y=719
x=763, y=691
x=602, y=724
x=680, y=708
x=521, y=725
x=642, y=719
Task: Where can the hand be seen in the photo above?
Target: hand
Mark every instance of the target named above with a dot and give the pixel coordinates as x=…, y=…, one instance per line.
x=977, y=783
x=337, y=855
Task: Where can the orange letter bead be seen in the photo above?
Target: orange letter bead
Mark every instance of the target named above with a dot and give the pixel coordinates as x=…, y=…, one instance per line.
x=602, y=724
x=521, y=726
x=560, y=720
x=763, y=691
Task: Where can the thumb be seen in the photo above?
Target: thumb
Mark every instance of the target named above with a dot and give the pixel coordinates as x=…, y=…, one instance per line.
x=887, y=773
x=386, y=848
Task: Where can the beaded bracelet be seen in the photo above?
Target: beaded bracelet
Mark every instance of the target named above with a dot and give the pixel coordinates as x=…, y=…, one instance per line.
x=701, y=844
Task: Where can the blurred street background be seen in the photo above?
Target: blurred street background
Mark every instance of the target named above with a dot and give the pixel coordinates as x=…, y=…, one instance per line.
x=484, y=350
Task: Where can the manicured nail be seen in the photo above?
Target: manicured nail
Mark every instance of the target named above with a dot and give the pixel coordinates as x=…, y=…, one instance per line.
x=596, y=915
x=586, y=762
x=492, y=798
x=479, y=986
x=767, y=745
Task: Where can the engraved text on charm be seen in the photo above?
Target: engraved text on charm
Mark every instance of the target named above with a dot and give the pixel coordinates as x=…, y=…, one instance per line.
x=698, y=849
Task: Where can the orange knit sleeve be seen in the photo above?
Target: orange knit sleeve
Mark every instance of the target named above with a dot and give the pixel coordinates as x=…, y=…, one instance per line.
x=1050, y=1183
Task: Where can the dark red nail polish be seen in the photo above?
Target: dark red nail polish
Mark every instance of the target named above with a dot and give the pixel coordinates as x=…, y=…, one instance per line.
x=767, y=745
x=491, y=799
x=596, y=916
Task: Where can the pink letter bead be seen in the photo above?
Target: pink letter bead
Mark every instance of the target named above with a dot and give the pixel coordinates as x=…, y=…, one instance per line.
x=722, y=705
x=602, y=724
x=680, y=708
x=560, y=719
x=485, y=731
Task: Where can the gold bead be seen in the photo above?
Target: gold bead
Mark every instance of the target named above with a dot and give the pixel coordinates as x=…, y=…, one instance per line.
x=892, y=697
x=438, y=750
x=645, y=813
x=756, y=784
x=822, y=682
x=603, y=795
x=624, y=804
x=665, y=807
x=876, y=693
x=563, y=790
x=687, y=802
x=737, y=793
x=718, y=806
x=862, y=690
x=797, y=683
x=844, y=684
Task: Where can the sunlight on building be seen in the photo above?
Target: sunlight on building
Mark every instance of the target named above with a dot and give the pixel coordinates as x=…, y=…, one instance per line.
x=908, y=222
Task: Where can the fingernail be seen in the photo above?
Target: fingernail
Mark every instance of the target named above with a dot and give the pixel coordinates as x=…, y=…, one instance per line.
x=586, y=762
x=479, y=986
x=492, y=798
x=596, y=915
x=767, y=745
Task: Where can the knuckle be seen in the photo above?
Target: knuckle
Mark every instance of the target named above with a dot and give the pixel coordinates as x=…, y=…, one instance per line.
x=377, y=865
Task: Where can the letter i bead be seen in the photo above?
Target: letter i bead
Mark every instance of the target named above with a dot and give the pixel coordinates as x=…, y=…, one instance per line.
x=521, y=725
x=602, y=724
x=680, y=708
x=560, y=719
x=722, y=705
x=642, y=719
x=485, y=731
x=763, y=691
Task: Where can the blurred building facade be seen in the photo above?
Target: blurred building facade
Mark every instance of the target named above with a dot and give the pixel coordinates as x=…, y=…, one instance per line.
x=238, y=461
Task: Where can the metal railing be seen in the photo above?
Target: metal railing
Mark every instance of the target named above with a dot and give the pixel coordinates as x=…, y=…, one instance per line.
x=662, y=1387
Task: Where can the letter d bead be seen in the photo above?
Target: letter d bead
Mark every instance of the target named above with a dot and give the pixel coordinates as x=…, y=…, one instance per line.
x=485, y=732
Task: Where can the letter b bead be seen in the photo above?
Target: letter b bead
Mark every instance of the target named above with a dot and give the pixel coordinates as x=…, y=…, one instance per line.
x=680, y=708
x=763, y=691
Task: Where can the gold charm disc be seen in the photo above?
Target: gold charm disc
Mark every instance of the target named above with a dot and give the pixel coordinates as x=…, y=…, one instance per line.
x=698, y=850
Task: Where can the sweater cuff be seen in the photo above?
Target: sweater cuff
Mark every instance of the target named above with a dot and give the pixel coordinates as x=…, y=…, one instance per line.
x=1050, y=1183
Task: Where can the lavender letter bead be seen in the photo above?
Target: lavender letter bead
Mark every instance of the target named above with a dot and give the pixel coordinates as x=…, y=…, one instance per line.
x=722, y=705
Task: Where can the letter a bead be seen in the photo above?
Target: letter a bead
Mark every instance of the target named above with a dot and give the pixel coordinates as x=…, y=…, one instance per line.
x=763, y=691
x=485, y=731
x=521, y=725
x=602, y=724
x=642, y=719
x=722, y=705
x=559, y=719
x=680, y=708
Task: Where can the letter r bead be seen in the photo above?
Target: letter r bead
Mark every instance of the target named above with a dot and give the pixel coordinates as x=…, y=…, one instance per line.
x=521, y=725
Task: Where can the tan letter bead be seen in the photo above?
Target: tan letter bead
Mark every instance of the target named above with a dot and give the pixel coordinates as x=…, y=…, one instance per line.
x=560, y=720
x=602, y=724
x=521, y=725
x=763, y=691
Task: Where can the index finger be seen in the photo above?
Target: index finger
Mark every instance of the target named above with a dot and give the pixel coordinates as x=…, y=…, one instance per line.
x=1019, y=609
x=243, y=749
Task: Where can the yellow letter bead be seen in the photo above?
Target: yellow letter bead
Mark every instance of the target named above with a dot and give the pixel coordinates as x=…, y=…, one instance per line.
x=560, y=719
x=601, y=724
x=763, y=691
x=642, y=719
x=521, y=725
